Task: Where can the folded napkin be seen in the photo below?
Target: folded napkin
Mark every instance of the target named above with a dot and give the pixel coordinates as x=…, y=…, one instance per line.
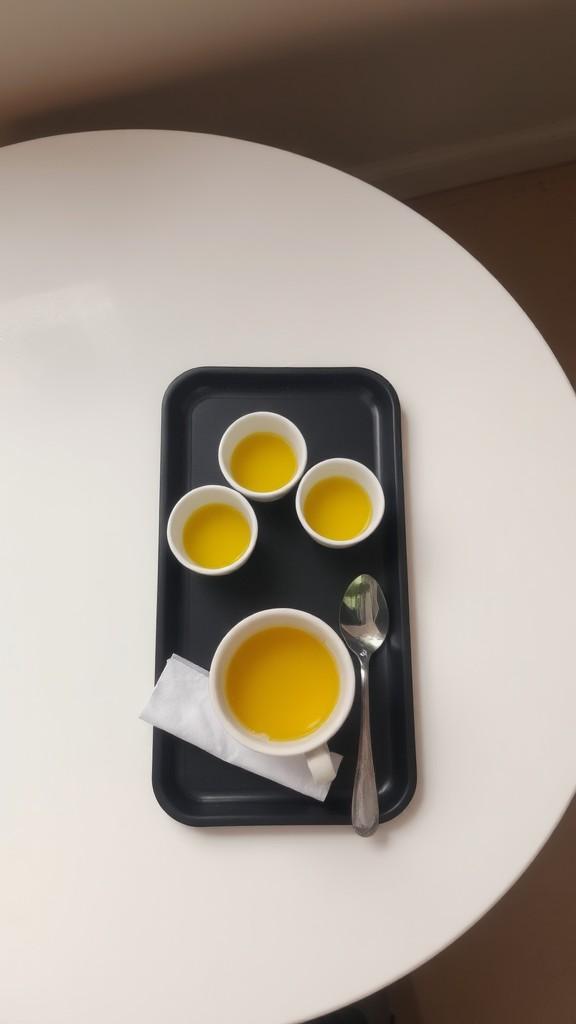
x=180, y=704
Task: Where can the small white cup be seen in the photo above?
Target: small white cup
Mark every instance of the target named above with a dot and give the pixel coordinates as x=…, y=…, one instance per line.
x=354, y=471
x=256, y=423
x=191, y=502
x=313, y=746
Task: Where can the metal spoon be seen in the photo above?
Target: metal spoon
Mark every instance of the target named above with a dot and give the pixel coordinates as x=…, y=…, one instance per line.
x=364, y=621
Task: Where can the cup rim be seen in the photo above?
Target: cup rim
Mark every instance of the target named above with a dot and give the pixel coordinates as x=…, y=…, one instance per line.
x=211, y=493
x=301, y=459
x=343, y=464
x=319, y=628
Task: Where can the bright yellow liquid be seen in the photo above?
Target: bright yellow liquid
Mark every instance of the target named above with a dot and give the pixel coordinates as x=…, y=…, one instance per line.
x=338, y=508
x=215, y=535
x=282, y=683
x=263, y=462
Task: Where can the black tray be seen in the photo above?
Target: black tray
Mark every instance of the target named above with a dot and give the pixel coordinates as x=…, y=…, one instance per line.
x=342, y=412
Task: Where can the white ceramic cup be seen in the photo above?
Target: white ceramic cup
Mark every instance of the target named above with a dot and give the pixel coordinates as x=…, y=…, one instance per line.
x=191, y=502
x=354, y=471
x=256, y=423
x=313, y=746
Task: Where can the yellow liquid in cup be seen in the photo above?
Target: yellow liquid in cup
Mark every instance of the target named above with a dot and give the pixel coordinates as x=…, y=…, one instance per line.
x=263, y=462
x=337, y=508
x=215, y=535
x=282, y=683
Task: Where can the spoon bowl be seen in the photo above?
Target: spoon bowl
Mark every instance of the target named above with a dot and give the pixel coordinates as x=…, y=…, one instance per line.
x=364, y=616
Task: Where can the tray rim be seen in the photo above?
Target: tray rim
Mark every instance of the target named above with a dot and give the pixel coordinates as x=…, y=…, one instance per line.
x=375, y=379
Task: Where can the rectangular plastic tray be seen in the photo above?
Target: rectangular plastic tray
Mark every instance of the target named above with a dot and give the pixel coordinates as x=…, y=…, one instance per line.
x=342, y=412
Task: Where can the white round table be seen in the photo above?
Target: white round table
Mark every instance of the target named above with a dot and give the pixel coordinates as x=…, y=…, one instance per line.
x=128, y=257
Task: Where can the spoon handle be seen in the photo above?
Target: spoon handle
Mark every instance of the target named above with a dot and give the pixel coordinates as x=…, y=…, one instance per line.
x=365, y=809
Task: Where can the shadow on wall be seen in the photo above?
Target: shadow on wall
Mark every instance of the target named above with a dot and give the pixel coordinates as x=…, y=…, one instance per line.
x=370, y=97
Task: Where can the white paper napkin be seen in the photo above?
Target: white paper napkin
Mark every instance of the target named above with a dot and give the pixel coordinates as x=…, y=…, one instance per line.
x=180, y=704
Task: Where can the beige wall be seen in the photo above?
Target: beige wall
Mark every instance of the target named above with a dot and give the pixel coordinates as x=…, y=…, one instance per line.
x=413, y=94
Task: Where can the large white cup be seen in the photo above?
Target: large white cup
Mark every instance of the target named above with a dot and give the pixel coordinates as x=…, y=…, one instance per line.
x=314, y=746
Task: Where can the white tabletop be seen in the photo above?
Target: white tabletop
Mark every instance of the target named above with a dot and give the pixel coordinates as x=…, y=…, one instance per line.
x=128, y=257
